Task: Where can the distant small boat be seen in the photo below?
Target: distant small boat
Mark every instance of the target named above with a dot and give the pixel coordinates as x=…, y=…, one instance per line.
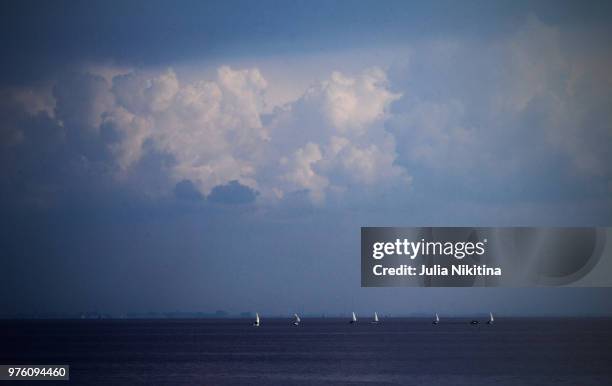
x=436, y=320
x=296, y=320
x=474, y=322
x=354, y=319
x=375, y=321
x=256, y=322
x=491, y=320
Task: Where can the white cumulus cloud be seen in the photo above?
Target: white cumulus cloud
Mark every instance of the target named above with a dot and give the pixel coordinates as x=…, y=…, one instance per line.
x=218, y=131
x=337, y=136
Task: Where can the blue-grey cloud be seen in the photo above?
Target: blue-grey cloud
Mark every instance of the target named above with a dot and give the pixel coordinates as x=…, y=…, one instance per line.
x=232, y=193
x=185, y=190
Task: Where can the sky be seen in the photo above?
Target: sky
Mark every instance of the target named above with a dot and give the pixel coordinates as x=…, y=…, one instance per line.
x=196, y=156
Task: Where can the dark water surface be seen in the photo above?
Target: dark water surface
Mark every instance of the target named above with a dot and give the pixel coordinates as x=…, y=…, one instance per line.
x=397, y=351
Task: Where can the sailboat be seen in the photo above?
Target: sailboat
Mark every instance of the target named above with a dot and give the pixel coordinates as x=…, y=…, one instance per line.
x=296, y=320
x=436, y=320
x=375, y=321
x=256, y=322
x=354, y=319
x=491, y=320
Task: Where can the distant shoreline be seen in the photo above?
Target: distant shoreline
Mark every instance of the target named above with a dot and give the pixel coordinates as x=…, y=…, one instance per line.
x=277, y=318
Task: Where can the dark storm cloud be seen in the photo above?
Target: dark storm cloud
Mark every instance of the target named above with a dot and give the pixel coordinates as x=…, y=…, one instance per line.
x=80, y=99
x=55, y=35
x=41, y=160
x=232, y=193
x=186, y=190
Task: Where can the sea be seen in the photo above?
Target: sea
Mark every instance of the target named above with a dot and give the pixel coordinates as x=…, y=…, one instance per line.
x=330, y=351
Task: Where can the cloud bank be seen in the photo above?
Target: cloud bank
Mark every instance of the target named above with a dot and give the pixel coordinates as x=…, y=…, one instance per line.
x=527, y=109
x=211, y=131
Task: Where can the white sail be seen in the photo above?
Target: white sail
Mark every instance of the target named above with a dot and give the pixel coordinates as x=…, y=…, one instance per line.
x=256, y=319
x=491, y=317
x=297, y=318
x=437, y=318
x=375, y=317
x=354, y=317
